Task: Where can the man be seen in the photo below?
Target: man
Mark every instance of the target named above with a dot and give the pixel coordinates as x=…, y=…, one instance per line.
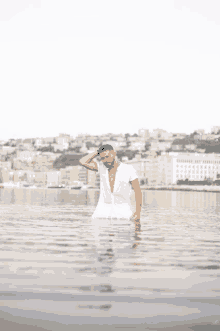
x=115, y=189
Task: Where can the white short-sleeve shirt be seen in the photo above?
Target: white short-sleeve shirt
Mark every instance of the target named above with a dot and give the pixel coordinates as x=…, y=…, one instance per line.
x=116, y=204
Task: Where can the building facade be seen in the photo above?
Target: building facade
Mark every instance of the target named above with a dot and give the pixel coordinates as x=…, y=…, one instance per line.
x=168, y=168
x=195, y=166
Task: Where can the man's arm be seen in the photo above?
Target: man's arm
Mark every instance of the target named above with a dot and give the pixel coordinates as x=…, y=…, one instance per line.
x=138, y=197
x=88, y=162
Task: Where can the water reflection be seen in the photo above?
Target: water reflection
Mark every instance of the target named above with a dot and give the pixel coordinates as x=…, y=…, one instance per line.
x=152, y=199
x=137, y=232
x=192, y=200
x=50, y=232
x=48, y=196
x=115, y=239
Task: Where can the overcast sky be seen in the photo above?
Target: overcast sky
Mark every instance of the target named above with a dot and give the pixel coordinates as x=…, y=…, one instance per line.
x=108, y=66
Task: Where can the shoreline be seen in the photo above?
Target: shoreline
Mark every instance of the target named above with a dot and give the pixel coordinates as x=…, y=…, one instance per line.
x=186, y=188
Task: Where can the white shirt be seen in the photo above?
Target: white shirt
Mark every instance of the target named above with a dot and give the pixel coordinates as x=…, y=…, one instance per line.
x=116, y=204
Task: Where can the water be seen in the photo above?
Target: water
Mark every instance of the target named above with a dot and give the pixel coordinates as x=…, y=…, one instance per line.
x=56, y=259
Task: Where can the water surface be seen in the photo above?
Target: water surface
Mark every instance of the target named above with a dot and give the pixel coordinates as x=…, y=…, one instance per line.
x=50, y=246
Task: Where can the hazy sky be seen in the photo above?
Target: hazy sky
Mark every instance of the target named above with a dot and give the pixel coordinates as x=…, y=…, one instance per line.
x=108, y=66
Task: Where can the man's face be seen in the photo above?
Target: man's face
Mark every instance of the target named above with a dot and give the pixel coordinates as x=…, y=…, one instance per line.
x=108, y=158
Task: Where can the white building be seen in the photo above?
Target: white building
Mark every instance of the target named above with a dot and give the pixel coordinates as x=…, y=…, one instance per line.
x=5, y=165
x=160, y=146
x=59, y=147
x=179, y=135
x=194, y=166
x=168, y=168
x=200, y=131
x=48, y=140
x=154, y=170
x=63, y=141
x=26, y=155
x=210, y=136
x=144, y=133
x=139, y=146
x=84, y=149
x=7, y=150
x=191, y=147
x=39, y=142
x=117, y=145
x=161, y=134
x=53, y=178
x=215, y=129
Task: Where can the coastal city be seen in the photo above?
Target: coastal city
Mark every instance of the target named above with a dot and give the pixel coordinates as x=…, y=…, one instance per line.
x=160, y=158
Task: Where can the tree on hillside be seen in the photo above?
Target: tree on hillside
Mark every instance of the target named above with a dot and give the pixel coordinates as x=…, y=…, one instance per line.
x=89, y=144
x=127, y=153
x=76, y=149
x=191, y=136
x=215, y=148
x=46, y=149
x=58, y=151
x=147, y=146
x=128, y=143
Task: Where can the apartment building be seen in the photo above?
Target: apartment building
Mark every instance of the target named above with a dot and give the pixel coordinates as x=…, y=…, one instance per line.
x=215, y=129
x=144, y=133
x=22, y=164
x=195, y=166
x=5, y=165
x=5, y=150
x=19, y=176
x=148, y=170
x=160, y=146
x=40, y=178
x=92, y=178
x=210, y=136
x=4, y=175
x=154, y=170
x=39, y=142
x=27, y=155
x=63, y=140
x=83, y=175
x=168, y=168
x=49, y=140
x=117, y=145
x=53, y=178
x=44, y=161
x=59, y=147
x=97, y=180
x=69, y=175
x=83, y=148
x=137, y=146
x=179, y=135
x=161, y=134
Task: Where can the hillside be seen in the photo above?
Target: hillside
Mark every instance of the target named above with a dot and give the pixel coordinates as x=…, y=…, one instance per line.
x=67, y=160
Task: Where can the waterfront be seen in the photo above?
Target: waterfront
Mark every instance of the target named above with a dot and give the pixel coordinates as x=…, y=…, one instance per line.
x=59, y=265
x=192, y=188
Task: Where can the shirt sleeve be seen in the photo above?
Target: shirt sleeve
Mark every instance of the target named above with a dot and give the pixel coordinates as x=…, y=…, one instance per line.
x=98, y=165
x=132, y=174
